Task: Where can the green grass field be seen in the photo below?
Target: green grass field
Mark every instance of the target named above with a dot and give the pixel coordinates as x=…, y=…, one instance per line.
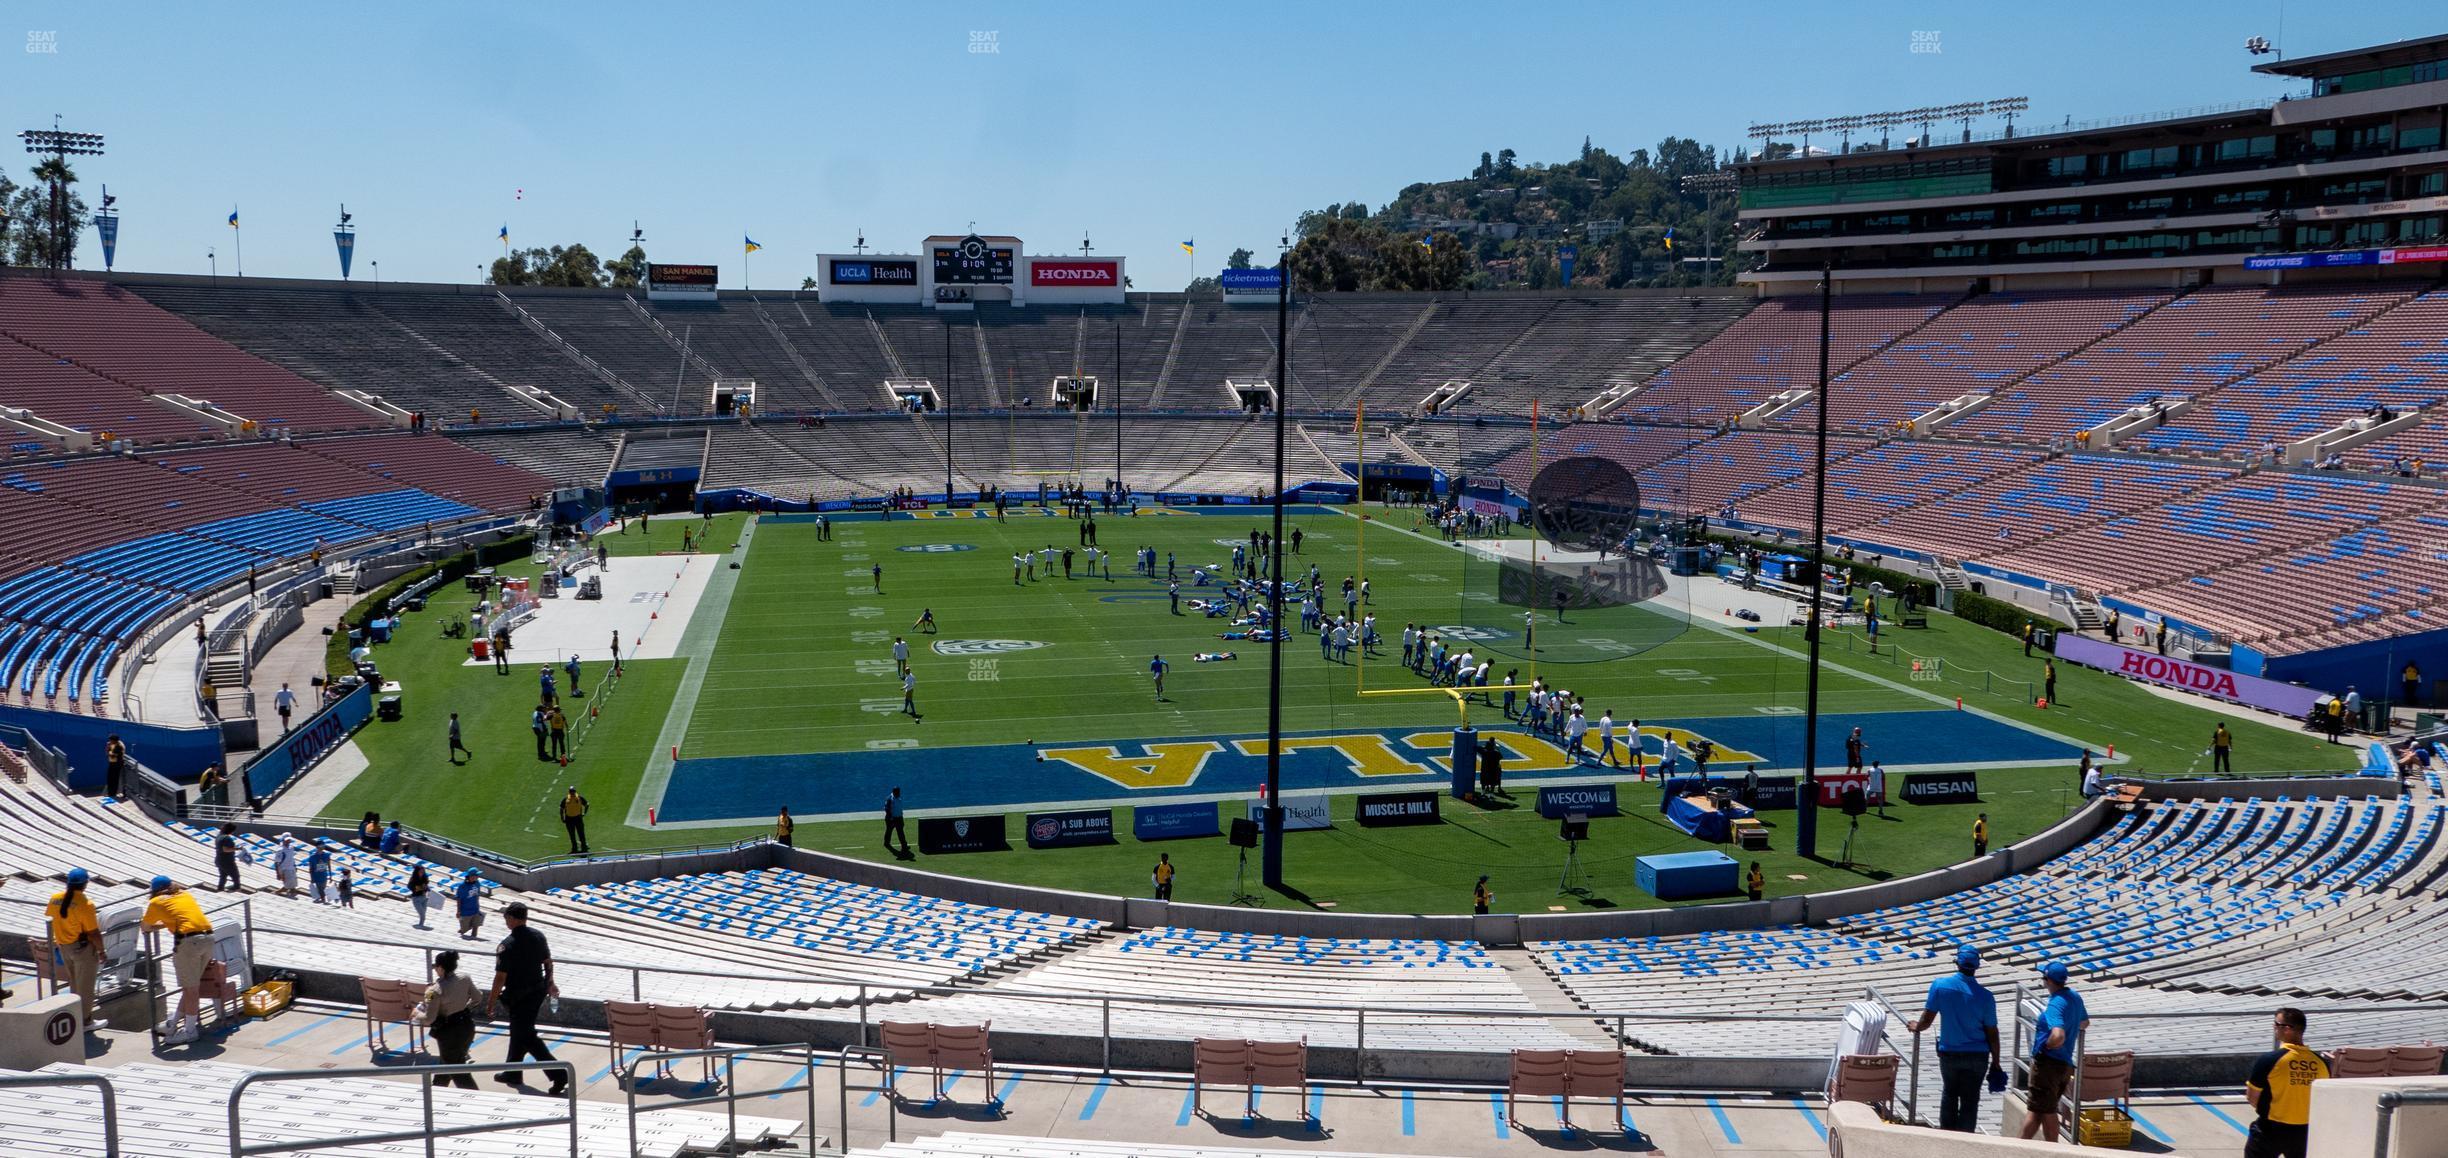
x=802, y=665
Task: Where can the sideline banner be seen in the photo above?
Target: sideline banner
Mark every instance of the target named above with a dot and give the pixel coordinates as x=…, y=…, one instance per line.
x=1555, y=801
x=941, y=834
x=1174, y=821
x=1942, y=788
x=1070, y=829
x=2169, y=671
x=1300, y=812
x=1387, y=809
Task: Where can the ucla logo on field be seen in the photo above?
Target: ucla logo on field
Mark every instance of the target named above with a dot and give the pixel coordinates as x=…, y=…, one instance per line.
x=1468, y=633
x=936, y=548
x=985, y=646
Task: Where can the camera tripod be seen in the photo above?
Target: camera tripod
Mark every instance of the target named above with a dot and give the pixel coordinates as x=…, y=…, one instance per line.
x=1575, y=880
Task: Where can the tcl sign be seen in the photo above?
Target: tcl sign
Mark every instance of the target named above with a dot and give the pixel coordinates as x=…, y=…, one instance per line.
x=1094, y=274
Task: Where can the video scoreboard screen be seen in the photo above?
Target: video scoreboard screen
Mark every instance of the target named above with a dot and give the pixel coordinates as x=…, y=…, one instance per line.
x=973, y=262
x=682, y=282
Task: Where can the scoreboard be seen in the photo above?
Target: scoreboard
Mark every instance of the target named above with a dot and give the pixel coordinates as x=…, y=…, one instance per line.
x=972, y=261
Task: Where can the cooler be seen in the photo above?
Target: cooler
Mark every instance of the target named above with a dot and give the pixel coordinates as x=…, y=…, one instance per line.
x=1676, y=875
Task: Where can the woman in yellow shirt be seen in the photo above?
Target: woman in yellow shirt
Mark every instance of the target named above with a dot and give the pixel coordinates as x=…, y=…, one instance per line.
x=77, y=937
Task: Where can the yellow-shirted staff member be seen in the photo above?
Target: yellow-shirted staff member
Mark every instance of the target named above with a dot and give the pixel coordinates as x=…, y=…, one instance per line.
x=1980, y=835
x=1481, y=897
x=783, y=828
x=1163, y=876
x=77, y=937
x=2280, y=1090
x=1756, y=883
x=175, y=909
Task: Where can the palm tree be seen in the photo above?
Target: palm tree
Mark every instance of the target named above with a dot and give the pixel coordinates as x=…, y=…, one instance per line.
x=51, y=201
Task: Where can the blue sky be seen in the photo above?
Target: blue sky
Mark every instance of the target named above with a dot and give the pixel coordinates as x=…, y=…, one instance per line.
x=1139, y=124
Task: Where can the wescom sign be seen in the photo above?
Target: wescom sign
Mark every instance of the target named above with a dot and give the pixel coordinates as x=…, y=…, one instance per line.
x=1084, y=273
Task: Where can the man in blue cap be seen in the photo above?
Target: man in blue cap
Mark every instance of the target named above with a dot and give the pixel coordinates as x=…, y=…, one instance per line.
x=2055, y=1038
x=1966, y=1014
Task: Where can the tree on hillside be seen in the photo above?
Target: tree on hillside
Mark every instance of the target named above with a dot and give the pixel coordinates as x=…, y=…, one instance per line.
x=1504, y=163
x=629, y=269
x=1203, y=285
x=570, y=266
x=1240, y=259
x=1487, y=165
x=31, y=242
x=1346, y=256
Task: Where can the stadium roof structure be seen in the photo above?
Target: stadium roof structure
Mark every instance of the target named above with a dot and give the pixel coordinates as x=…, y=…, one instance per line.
x=2420, y=50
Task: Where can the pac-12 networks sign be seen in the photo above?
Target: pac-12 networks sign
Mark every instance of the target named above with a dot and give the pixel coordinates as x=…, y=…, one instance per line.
x=1075, y=272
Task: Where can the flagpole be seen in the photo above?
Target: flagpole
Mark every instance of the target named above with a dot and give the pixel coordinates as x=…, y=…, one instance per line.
x=238, y=235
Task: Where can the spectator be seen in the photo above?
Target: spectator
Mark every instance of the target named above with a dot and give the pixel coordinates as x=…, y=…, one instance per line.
x=392, y=838
x=2056, y=1041
x=175, y=910
x=449, y=1013
x=457, y=747
x=470, y=898
x=114, y=766
x=2280, y=1091
x=284, y=701
x=573, y=818
x=1966, y=1014
x=420, y=893
x=77, y=935
x=2092, y=785
x=522, y=982
x=348, y=888
x=225, y=858
x=318, y=873
x=285, y=864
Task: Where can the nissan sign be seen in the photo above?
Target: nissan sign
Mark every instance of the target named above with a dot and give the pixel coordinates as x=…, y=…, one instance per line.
x=1942, y=788
x=1080, y=272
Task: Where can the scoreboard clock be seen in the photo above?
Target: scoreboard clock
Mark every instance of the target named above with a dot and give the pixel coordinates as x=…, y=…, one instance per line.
x=973, y=262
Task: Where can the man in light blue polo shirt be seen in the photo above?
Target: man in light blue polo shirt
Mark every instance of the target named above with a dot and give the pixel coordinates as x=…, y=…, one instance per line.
x=2056, y=1037
x=1966, y=1014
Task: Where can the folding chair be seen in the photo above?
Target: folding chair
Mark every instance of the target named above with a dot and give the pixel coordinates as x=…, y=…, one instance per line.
x=966, y=1048
x=386, y=1003
x=908, y=1045
x=1593, y=1073
x=1536, y=1073
x=2359, y=1062
x=1280, y=1063
x=1225, y=1061
x=627, y=1024
x=684, y=1027
x=1866, y=1078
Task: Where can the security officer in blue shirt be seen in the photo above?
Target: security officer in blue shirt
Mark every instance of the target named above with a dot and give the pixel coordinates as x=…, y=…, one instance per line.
x=1966, y=1014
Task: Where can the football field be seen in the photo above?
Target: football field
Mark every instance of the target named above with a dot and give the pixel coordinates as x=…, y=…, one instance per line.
x=1035, y=696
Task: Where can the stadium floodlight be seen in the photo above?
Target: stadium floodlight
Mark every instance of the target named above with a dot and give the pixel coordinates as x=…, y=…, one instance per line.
x=61, y=144
x=2007, y=107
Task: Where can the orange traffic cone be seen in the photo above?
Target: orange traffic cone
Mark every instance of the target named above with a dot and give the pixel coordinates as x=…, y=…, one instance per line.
x=2112, y=751
x=1959, y=703
x=2044, y=703
x=593, y=711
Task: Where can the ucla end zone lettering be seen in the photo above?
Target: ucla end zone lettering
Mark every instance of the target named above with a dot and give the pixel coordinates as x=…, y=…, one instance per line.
x=1018, y=778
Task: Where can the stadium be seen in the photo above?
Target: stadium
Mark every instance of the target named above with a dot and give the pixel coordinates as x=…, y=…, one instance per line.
x=1470, y=720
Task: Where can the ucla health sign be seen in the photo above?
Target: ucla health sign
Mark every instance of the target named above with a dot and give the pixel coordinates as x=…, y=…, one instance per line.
x=871, y=272
x=1174, y=821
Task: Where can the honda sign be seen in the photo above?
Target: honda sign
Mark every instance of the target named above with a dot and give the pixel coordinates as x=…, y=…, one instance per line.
x=1077, y=272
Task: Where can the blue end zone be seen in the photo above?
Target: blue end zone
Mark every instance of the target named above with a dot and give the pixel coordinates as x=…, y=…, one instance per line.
x=1118, y=772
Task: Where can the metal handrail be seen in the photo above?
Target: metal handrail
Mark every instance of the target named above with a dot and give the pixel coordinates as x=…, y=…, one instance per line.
x=110, y=1099
x=562, y=1071
x=731, y=1093
x=892, y=1105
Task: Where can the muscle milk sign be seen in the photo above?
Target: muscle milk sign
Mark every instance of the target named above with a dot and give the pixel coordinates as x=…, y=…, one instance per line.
x=2168, y=671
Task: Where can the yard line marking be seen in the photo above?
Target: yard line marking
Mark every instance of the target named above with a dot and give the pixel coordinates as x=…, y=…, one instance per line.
x=1189, y=1097
x=1410, y=1123
x=697, y=648
x=1496, y=1105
